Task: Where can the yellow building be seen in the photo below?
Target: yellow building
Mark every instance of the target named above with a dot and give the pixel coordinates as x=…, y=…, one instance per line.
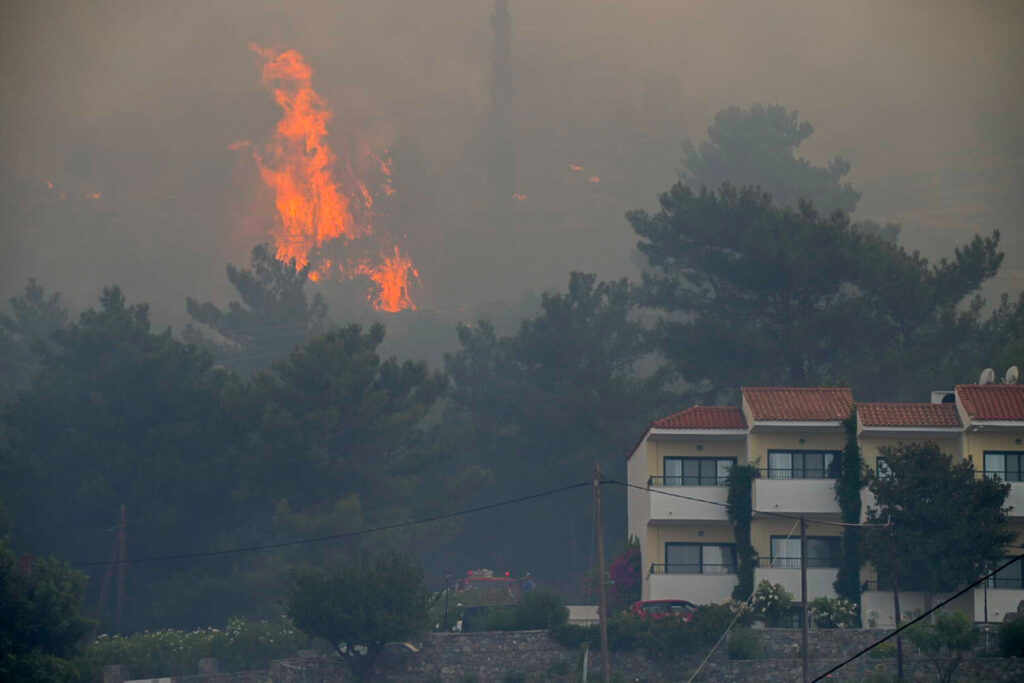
x=794, y=437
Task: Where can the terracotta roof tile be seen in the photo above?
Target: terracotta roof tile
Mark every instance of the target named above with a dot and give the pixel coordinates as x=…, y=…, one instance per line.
x=704, y=417
x=992, y=401
x=908, y=414
x=784, y=404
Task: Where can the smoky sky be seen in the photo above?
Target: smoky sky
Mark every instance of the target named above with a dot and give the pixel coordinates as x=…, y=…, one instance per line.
x=139, y=102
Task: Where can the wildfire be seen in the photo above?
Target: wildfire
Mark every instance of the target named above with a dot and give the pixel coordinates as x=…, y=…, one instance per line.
x=520, y=196
x=314, y=210
x=574, y=167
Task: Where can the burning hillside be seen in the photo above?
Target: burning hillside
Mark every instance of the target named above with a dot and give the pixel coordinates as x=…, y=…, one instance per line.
x=322, y=222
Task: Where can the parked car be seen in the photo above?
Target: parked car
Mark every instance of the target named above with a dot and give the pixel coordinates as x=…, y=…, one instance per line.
x=664, y=609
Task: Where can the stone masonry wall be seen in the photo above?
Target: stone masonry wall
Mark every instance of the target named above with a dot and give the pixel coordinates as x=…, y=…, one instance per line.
x=532, y=656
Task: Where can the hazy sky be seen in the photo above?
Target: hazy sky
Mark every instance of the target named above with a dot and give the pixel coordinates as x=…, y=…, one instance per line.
x=139, y=102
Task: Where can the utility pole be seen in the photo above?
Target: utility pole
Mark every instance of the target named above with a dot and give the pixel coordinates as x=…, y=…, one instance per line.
x=122, y=565
x=602, y=609
x=896, y=598
x=447, y=578
x=803, y=600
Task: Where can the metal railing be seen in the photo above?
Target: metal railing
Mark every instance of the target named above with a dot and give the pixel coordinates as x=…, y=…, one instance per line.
x=794, y=562
x=687, y=481
x=797, y=473
x=1000, y=474
x=693, y=568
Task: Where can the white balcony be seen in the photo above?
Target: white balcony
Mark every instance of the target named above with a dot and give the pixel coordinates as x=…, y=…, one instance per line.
x=666, y=506
x=819, y=580
x=699, y=589
x=796, y=496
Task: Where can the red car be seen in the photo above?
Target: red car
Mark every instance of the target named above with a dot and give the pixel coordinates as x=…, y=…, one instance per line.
x=664, y=609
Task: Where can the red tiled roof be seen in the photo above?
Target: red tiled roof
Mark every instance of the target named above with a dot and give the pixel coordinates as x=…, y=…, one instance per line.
x=704, y=417
x=798, y=404
x=992, y=401
x=908, y=414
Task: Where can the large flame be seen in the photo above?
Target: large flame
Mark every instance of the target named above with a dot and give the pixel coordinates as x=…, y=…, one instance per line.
x=313, y=209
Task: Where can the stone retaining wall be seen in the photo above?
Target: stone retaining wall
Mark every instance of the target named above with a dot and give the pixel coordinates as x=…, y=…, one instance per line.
x=532, y=656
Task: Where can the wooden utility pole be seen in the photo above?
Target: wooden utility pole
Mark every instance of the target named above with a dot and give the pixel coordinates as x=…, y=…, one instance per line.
x=122, y=544
x=896, y=598
x=602, y=609
x=803, y=600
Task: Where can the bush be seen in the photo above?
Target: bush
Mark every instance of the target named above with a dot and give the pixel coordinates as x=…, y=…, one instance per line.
x=573, y=635
x=833, y=613
x=772, y=602
x=1011, y=638
x=886, y=649
x=540, y=609
x=744, y=645
x=501, y=618
x=243, y=645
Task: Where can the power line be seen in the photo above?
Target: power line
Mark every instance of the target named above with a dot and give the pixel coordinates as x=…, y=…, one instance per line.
x=331, y=537
x=919, y=618
x=759, y=512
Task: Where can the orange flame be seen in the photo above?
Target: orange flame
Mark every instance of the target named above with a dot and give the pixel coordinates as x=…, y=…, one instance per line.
x=520, y=196
x=594, y=179
x=574, y=167
x=313, y=209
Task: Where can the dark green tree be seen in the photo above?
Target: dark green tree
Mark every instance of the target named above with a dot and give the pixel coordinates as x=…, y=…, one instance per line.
x=946, y=642
x=119, y=414
x=360, y=609
x=740, y=481
x=756, y=294
x=543, y=406
x=344, y=442
x=950, y=526
x=272, y=317
x=847, y=491
x=33, y=316
x=757, y=146
x=40, y=621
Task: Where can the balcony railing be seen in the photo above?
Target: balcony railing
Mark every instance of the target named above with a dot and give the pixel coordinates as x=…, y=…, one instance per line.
x=693, y=569
x=687, y=481
x=796, y=473
x=794, y=563
x=1001, y=474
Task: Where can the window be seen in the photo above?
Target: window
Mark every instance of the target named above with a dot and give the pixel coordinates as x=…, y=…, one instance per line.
x=700, y=558
x=1008, y=465
x=696, y=471
x=802, y=464
x=822, y=551
x=1012, y=577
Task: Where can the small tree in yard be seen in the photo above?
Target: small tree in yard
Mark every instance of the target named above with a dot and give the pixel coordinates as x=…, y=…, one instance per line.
x=360, y=609
x=950, y=526
x=946, y=642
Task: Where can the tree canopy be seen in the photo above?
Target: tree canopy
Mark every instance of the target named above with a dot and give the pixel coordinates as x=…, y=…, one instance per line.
x=754, y=293
x=33, y=317
x=360, y=609
x=273, y=314
x=950, y=526
x=40, y=622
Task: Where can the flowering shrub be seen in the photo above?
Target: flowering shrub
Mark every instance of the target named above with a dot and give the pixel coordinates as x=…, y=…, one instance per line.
x=772, y=602
x=242, y=645
x=832, y=613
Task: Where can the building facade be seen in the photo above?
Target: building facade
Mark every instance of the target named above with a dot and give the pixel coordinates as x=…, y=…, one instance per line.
x=795, y=437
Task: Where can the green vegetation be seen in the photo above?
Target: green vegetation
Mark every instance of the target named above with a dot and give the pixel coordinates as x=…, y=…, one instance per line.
x=40, y=622
x=950, y=526
x=740, y=482
x=848, y=487
x=946, y=642
x=773, y=603
x=360, y=609
x=744, y=644
x=1011, y=638
x=833, y=613
x=243, y=645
